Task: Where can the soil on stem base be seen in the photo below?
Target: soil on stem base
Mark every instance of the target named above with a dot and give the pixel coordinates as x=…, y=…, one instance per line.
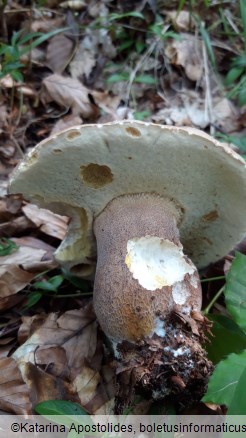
x=173, y=365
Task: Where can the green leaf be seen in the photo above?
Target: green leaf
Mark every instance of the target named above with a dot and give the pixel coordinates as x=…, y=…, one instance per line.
x=3, y=49
x=243, y=16
x=235, y=290
x=224, y=381
x=227, y=338
x=80, y=283
x=41, y=40
x=145, y=79
x=7, y=246
x=238, y=141
x=206, y=39
x=117, y=77
x=45, y=286
x=181, y=5
x=15, y=37
x=33, y=299
x=59, y=407
x=140, y=46
x=141, y=115
x=125, y=45
x=29, y=36
x=17, y=75
x=50, y=285
x=56, y=281
x=171, y=34
x=114, y=16
x=238, y=402
x=232, y=75
x=242, y=96
x=240, y=61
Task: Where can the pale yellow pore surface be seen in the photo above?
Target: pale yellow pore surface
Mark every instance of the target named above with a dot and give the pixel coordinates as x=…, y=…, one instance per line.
x=125, y=301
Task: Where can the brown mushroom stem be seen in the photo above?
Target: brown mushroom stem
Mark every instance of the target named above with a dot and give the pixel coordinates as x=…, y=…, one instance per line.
x=142, y=274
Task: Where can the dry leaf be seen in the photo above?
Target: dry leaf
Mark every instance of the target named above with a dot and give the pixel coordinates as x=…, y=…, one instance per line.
x=46, y=24
x=14, y=392
x=83, y=63
x=106, y=409
x=188, y=54
x=18, y=269
x=106, y=101
x=3, y=117
x=29, y=325
x=57, y=361
x=74, y=331
x=32, y=242
x=49, y=223
x=182, y=21
x=85, y=384
x=96, y=43
x=65, y=122
x=105, y=391
x=59, y=52
x=68, y=93
x=226, y=115
x=43, y=386
x=18, y=225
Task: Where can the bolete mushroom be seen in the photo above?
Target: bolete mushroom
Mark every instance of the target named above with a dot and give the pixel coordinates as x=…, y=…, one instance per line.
x=137, y=194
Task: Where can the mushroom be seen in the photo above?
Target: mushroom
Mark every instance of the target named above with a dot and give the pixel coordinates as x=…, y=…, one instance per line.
x=152, y=203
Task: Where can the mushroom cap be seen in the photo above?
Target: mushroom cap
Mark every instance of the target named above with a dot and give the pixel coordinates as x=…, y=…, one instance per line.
x=79, y=171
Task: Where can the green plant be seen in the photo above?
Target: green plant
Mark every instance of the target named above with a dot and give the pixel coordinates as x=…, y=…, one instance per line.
x=236, y=77
x=59, y=407
x=240, y=142
x=41, y=288
x=51, y=287
x=11, y=54
x=7, y=246
x=228, y=381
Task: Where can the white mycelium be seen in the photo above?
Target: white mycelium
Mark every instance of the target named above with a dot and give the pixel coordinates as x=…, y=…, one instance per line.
x=180, y=293
x=156, y=262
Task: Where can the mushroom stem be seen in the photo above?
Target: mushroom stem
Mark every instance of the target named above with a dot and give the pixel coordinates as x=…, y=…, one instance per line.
x=142, y=274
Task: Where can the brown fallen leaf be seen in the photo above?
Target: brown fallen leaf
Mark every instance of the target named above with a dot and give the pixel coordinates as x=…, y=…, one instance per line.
x=15, y=226
x=66, y=348
x=188, y=54
x=226, y=115
x=46, y=24
x=18, y=269
x=57, y=365
x=182, y=21
x=29, y=325
x=43, y=386
x=49, y=223
x=33, y=242
x=85, y=384
x=93, y=48
x=14, y=392
x=75, y=331
x=105, y=391
x=3, y=117
x=59, y=52
x=65, y=122
x=68, y=93
x=106, y=101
